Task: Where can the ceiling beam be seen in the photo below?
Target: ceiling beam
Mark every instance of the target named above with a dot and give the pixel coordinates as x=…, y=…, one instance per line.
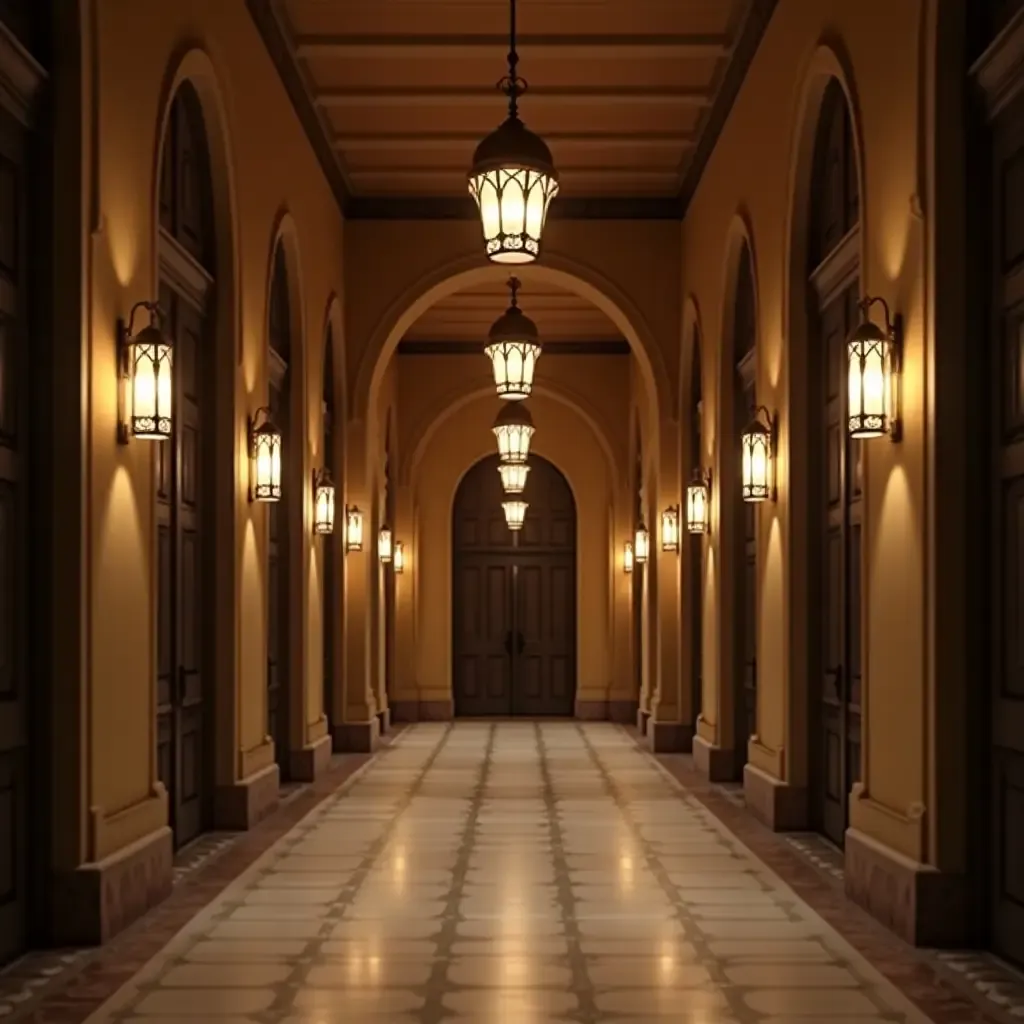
x=562, y=47
x=581, y=347
x=435, y=208
x=560, y=140
x=586, y=96
x=668, y=176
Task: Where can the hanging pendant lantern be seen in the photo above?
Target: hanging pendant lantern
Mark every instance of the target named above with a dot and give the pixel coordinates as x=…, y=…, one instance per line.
x=515, y=513
x=513, y=476
x=513, y=177
x=513, y=350
x=513, y=429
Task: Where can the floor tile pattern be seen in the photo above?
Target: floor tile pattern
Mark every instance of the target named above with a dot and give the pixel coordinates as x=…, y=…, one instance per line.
x=517, y=873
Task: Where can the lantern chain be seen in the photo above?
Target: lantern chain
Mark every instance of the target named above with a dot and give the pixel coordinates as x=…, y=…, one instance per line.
x=514, y=285
x=512, y=85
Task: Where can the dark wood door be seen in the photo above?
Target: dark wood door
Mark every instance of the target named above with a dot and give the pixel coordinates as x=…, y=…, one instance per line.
x=514, y=597
x=835, y=720
x=14, y=547
x=1007, y=409
x=182, y=475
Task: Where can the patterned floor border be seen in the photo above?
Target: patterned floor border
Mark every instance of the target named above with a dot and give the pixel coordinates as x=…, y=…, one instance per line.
x=952, y=987
x=63, y=986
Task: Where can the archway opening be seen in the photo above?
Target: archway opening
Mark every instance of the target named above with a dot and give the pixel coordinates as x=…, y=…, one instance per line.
x=514, y=596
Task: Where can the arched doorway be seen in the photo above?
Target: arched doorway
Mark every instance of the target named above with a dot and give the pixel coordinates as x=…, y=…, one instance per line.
x=388, y=580
x=278, y=606
x=637, y=593
x=514, y=596
x=328, y=582
x=744, y=349
x=694, y=583
x=835, y=472
x=185, y=473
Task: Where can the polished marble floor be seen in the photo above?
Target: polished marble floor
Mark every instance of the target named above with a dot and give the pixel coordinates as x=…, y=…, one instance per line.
x=514, y=873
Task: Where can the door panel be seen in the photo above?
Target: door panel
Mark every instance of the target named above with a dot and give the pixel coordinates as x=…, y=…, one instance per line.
x=483, y=623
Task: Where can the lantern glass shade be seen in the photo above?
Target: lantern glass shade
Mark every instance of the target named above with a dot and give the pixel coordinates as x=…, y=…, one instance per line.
x=384, y=544
x=513, y=476
x=353, y=529
x=515, y=513
x=513, y=192
x=627, y=557
x=399, y=557
x=697, y=510
x=757, y=462
x=266, y=462
x=870, y=368
x=513, y=429
x=513, y=363
x=323, y=504
x=641, y=544
x=670, y=529
x=150, y=365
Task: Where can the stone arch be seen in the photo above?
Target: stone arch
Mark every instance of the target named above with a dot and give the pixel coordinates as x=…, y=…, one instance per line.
x=562, y=271
x=192, y=67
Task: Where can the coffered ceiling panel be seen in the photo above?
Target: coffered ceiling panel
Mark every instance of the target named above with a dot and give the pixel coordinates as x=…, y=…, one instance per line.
x=401, y=91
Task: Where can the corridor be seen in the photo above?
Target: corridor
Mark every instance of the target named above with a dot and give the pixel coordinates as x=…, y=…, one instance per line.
x=514, y=873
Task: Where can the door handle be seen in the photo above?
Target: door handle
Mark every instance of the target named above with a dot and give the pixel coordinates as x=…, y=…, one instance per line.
x=521, y=643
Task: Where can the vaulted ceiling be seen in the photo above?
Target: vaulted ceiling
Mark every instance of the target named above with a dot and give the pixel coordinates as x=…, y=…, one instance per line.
x=395, y=94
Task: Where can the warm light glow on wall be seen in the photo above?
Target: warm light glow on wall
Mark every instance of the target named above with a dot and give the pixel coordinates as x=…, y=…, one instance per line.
x=873, y=375
x=513, y=476
x=323, y=502
x=384, y=544
x=264, y=458
x=698, y=504
x=641, y=544
x=353, y=528
x=513, y=429
x=515, y=513
x=627, y=557
x=399, y=557
x=145, y=367
x=758, y=457
x=670, y=529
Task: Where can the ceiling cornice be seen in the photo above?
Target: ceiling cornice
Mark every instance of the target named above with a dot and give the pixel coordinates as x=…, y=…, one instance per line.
x=272, y=28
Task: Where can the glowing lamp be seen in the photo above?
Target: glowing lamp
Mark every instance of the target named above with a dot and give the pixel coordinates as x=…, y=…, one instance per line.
x=513, y=177
x=398, y=560
x=513, y=429
x=627, y=557
x=515, y=513
x=513, y=350
x=698, y=501
x=758, y=457
x=264, y=457
x=513, y=476
x=323, y=502
x=385, y=541
x=641, y=545
x=353, y=528
x=670, y=529
x=146, y=364
x=873, y=374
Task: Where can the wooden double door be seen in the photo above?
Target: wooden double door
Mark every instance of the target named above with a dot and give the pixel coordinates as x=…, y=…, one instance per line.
x=514, y=597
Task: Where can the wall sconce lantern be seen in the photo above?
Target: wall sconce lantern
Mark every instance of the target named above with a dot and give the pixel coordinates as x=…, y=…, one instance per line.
x=513, y=177
x=513, y=476
x=874, y=357
x=385, y=541
x=515, y=513
x=670, y=529
x=399, y=557
x=145, y=368
x=627, y=557
x=513, y=429
x=641, y=545
x=353, y=528
x=758, y=463
x=513, y=350
x=698, y=503
x=323, y=502
x=265, y=457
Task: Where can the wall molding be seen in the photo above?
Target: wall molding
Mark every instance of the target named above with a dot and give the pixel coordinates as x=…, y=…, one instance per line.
x=21, y=78
x=182, y=271
x=838, y=269
x=1000, y=69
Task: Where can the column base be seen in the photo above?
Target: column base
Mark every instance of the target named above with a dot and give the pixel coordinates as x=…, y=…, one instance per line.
x=779, y=805
x=669, y=737
x=713, y=762
x=641, y=720
x=357, y=737
x=96, y=901
x=422, y=710
x=306, y=764
x=592, y=710
x=922, y=905
x=622, y=711
x=243, y=804
x=384, y=718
